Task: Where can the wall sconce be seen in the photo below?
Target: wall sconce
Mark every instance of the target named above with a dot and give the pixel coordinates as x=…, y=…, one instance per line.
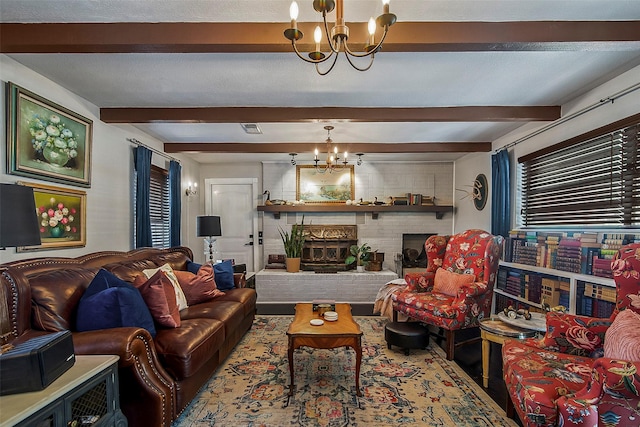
x=192, y=189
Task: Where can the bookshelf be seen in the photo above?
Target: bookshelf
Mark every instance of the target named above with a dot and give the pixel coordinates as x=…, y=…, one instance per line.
x=572, y=269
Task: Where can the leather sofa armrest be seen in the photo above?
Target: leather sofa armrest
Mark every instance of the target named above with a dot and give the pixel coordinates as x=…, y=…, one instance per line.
x=419, y=282
x=240, y=280
x=615, y=378
x=142, y=379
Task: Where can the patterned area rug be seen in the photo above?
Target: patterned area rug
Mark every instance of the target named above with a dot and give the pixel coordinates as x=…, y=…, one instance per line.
x=422, y=389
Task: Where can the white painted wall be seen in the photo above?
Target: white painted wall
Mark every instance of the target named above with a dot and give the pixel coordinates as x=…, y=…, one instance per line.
x=109, y=218
x=466, y=171
x=371, y=180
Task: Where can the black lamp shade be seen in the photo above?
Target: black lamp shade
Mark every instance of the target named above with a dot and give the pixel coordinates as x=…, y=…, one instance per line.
x=18, y=217
x=207, y=226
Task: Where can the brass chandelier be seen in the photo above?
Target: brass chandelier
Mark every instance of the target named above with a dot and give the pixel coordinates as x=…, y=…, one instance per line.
x=332, y=161
x=338, y=35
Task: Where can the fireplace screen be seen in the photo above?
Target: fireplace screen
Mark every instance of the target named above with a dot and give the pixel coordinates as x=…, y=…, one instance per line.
x=327, y=246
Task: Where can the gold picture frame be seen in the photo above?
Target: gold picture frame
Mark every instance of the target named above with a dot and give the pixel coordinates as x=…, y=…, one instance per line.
x=328, y=187
x=62, y=215
x=46, y=140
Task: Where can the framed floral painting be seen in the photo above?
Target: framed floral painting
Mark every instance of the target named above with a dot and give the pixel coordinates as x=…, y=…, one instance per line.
x=45, y=140
x=62, y=214
x=324, y=186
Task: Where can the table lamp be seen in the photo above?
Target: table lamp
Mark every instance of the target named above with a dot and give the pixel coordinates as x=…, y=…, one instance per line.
x=208, y=226
x=18, y=218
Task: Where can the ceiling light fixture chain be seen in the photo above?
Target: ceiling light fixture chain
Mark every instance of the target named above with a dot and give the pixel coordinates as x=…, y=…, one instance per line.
x=337, y=37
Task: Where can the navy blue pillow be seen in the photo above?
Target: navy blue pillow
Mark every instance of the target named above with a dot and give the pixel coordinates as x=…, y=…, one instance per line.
x=110, y=302
x=223, y=274
x=193, y=267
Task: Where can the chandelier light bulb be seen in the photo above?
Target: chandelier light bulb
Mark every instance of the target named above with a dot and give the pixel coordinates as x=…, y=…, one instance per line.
x=372, y=31
x=317, y=34
x=293, y=12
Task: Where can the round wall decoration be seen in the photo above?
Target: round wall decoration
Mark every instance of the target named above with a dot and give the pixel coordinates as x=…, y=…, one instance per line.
x=480, y=192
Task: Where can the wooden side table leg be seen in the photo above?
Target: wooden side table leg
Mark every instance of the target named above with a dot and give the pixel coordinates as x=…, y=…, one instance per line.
x=486, y=346
x=290, y=355
x=358, y=349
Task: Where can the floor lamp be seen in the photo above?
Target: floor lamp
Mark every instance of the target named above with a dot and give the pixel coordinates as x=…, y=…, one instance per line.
x=209, y=226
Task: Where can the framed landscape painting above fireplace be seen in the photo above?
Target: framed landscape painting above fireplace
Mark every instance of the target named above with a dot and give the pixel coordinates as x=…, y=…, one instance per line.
x=325, y=186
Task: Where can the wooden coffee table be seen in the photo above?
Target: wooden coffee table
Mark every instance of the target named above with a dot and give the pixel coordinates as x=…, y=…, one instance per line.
x=344, y=332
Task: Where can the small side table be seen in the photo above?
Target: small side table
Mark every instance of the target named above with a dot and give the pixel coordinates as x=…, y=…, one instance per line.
x=497, y=331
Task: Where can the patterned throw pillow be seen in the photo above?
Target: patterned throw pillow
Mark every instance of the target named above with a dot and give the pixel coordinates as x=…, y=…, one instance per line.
x=577, y=335
x=622, y=340
x=448, y=283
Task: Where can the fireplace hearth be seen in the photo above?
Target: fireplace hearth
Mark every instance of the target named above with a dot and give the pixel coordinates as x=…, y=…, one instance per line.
x=326, y=247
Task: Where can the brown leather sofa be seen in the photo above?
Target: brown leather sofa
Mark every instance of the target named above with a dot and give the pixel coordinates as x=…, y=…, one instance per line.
x=158, y=376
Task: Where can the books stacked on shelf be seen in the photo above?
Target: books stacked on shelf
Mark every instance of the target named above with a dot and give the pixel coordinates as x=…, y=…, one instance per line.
x=567, y=251
x=514, y=283
x=604, y=293
x=501, y=280
x=602, y=267
x=533, y=291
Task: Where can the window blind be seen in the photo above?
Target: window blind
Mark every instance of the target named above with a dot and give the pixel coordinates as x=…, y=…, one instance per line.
x=594, y=182
x=159, y=207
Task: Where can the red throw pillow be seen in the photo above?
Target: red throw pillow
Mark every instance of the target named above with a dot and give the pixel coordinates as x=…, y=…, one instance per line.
x=622, y=339
x=159, y=295
x=575, y=334
x=448, y=283
x=198, y=287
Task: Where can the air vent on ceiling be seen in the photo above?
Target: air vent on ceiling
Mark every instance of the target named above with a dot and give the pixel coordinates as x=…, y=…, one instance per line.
x=251, y=128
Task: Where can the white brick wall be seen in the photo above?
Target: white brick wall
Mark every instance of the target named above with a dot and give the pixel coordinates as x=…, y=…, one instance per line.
x=278, y=286
x=371, y=180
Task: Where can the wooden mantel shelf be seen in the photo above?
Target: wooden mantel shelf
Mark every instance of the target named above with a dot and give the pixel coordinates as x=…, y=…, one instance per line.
x=374, y=209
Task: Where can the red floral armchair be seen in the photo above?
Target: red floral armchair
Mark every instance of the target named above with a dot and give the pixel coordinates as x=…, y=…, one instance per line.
x=472, y=252
x=564, y=379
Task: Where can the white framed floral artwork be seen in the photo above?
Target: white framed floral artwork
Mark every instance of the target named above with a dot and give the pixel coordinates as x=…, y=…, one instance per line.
x=46, y=140
x=62, y=214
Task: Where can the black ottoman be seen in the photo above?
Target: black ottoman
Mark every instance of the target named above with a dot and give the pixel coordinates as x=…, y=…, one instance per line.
x=406, y=335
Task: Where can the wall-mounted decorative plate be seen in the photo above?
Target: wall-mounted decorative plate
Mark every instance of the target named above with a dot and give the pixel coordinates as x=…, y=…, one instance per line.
x=480, y=192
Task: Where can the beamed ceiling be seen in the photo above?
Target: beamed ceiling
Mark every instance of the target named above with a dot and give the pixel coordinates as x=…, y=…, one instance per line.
x=453, y=76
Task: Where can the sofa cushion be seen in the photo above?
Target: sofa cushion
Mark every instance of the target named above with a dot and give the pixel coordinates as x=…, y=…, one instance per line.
x=622, y=340
x=160, y=297
x=198, y=287
x=184, y=350
x=223, y=273
x=448, y=283
x=537, y=378
x=55, y=295
x=110, y=302
x=230, y=313
x=181, y=299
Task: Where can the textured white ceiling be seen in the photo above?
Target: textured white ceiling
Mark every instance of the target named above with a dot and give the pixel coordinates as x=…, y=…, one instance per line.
x=261, y=79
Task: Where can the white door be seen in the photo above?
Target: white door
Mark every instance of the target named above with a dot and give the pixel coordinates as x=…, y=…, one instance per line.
x=235, y=201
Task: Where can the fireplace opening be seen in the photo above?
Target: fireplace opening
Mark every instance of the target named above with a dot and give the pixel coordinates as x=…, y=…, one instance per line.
x=413, y=253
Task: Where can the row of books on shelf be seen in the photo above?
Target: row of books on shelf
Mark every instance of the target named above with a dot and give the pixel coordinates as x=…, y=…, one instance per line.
x=586, y=253
x=533, y=287
x=414, y=199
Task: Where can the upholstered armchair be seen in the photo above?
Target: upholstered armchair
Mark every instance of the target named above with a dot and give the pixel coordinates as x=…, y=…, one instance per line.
x=456, y=290
x=585, y=371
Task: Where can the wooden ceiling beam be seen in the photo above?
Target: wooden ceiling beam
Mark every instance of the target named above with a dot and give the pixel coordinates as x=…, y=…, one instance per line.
x=207, y=37
x=359, y=147
x=320, y=114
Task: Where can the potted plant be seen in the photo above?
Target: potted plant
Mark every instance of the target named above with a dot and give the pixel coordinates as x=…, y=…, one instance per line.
x=359, y=255
x=293, y=243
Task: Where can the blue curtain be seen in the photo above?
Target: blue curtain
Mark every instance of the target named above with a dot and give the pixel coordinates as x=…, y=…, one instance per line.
x=142, y=161
x=174, y=202
x=501, y=200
